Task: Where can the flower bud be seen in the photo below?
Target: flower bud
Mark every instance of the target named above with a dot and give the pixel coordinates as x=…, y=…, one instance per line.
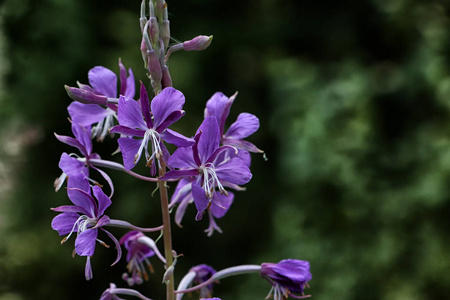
x=198, y=43
x=85, y=96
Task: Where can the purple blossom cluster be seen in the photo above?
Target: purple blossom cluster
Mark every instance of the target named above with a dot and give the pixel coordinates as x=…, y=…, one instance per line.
x=205, y=165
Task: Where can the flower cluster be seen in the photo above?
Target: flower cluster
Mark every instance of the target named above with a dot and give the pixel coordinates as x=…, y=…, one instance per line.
x=206, y=166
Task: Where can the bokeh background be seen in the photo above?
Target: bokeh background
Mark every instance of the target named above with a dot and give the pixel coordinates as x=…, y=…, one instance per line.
x=354, y=103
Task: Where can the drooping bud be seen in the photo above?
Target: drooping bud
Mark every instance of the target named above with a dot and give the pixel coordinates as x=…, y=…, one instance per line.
x=85, y=96
x=154, y=68
x=198, y=43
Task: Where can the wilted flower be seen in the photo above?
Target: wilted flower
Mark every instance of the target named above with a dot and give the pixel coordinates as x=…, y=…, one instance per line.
x=289, y=277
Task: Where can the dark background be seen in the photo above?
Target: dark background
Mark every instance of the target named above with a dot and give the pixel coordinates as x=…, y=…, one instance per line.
x=353, y=99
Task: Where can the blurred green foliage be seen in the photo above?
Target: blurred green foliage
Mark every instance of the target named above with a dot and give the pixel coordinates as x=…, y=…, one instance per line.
x=354, y=101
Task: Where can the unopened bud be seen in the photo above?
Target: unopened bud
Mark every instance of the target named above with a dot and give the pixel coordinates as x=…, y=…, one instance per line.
x=198, y=43
x=164, y=33
x=153, y=29
x=85, y=96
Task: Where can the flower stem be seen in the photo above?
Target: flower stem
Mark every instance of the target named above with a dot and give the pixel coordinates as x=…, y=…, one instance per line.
x=167, y=235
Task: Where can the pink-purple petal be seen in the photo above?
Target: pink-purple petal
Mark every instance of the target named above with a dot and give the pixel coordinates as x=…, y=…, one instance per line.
x=174, y=138
x=221, y=203
x=129, y=148
x=219, y=106
x=127, y=131
x=103, y=201
x=64, y=223
x=165, y=103
x=84, y=200
x=70, y=165
x=104, y=81
x=245, y=125
x=85, y=242
x=177, y=174
x=83, y=135
x=241, y=144
x=87, y=114
x=234, y=171
x=182, y=158
x=200, y=199
x=145, y=106
x=129, y=114
x=209, y=140
x=131, y=89
x=172, y=118
x=71, y=142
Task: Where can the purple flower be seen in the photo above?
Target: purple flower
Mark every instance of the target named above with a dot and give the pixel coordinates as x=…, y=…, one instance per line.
x=246, y=124
x=103, y=82
x=202, y=273
x=150, y=126
x=208, y=167
x=183, y=197
x=287, y=277
x=74, y=166
x=85, y=218
x=138, y=254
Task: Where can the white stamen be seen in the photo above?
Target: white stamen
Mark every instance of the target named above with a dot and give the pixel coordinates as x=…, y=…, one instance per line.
x=210, y=180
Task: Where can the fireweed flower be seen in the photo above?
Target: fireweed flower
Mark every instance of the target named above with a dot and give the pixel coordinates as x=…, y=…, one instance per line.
x=208, y=166
x=103, y=83
x=139, y=248
x=197, y=275
x=246, y=124
x=288, y=278
x=74, y=165
x=112, y=292
x=85, y=218
x=150, y=126
x=183, y=197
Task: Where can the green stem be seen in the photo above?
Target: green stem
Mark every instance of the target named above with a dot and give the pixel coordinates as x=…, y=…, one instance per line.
x=167, y=235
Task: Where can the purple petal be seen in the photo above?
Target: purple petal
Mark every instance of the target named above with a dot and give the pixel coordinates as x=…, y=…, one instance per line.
x=129, y=114
x=118, y=248
x=222, y=154
x=182, y=158
x=128, y=131
x=63, y=223
x=83, y=135
x=71, y=142
x=70, y=165
x=85, y=242
x=145, y=106
x=84, y=200
x=131, y=89
x=221, y=203
x=107, y=178
x=245, y=125
x=241, y=144
x=234, y=171
x=103, y=201
x=173, y=137
x=200, y=199
x=177, y=174
x=79, y=181
x=87, y=114
x=88, y=270
x=129, y=149
x=172, y=118
x=71, y=209
x=219, y=106
x=165, y=103
x=104, y=81
x=209, y=140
